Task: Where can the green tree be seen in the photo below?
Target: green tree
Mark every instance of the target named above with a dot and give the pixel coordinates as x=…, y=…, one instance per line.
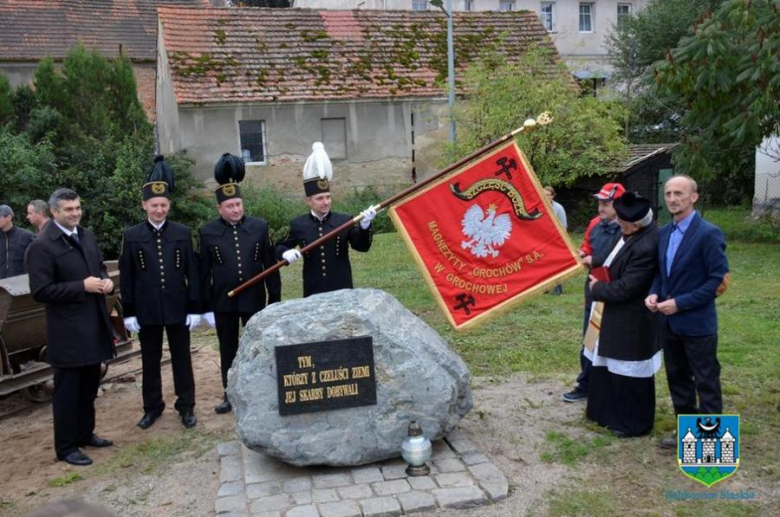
x=86, y=130
x=727, y=75
x=585, y=138
x=633, y=46
x=6, y=102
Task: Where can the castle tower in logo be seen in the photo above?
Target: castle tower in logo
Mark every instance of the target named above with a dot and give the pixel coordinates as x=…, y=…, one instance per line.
x=708, y=450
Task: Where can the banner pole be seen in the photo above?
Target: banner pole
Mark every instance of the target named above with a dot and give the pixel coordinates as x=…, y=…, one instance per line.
x=529, y=125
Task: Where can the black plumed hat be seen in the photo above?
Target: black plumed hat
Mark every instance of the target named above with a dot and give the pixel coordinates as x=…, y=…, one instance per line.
x=228, y=172
x=159, y=180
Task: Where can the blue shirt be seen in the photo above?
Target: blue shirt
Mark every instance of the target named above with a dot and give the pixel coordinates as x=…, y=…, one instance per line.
x=675, y=238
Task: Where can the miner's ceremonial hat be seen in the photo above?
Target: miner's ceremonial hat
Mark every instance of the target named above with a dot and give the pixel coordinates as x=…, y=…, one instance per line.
x=317, y=171
x=228, y=172
x=159, y=180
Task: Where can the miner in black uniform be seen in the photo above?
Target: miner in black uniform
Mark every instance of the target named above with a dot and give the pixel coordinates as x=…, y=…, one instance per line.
x=234, y=248
x=160, y=291
x=327, y=267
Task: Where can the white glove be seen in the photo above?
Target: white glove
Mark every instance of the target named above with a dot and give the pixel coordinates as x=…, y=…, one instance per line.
x=131, y=324
x=368, y=215
x=193, y=320
x=209, y=317
x=291, y=256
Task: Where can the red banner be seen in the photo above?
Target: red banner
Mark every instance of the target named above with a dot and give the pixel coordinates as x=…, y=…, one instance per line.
x=485, y=236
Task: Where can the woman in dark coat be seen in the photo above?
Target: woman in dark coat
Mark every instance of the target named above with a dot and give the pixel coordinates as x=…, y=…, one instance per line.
x=626, y=356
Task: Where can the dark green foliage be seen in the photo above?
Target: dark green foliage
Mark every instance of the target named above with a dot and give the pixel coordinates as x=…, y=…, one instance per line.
x=23, y=99
x=276, y=208
x=643, y=39
x=28, y=170
x=584, y=139
x=6, y=102
x=85, y=129
x=727, y=76
x=358, y=200
x=279, y=209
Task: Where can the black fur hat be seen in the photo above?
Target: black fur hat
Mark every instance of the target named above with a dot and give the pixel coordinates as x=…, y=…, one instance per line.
x=159, y=180
x=228, y=172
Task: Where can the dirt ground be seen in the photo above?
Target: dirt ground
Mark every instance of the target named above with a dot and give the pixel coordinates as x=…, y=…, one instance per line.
x=134, y=479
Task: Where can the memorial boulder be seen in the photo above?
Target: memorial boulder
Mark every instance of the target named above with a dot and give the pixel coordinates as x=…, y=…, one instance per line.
x=336, y=378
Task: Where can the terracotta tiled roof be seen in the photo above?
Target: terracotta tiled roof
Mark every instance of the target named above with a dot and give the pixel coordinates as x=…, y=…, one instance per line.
x=33, y=29
x=267, y=55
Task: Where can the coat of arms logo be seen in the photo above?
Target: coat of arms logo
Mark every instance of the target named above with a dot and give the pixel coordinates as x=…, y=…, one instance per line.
x=708, y=446
x=487, y=232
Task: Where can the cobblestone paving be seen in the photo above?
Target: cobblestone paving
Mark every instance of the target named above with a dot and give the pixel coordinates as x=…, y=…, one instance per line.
x=255, y=485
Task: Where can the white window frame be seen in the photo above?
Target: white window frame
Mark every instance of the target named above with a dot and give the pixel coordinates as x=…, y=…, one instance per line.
x=506, y=5
x=591, y=7
x=264, y=140
x=419, y=5
x=629, y=10
x=547, y=18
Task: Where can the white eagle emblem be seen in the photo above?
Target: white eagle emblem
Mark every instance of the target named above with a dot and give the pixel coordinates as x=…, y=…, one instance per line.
x=487, y=232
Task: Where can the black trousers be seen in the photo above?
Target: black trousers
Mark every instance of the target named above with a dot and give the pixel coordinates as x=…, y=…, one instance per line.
x=151, y=337
x=73, y=405
x=692, y=369
x=227, y=334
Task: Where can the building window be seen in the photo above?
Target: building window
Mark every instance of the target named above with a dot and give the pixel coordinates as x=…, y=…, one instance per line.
x=623, y=14
x=586, y=17
x=419, y=5
x=506, y=6
x=548, y=16
x=468, y=5
x=334, y=137
x=253, y=141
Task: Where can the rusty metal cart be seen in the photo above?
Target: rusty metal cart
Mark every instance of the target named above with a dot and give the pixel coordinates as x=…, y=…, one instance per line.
x=23, y=365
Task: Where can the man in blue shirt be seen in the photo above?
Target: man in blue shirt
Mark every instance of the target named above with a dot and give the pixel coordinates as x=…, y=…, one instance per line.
x=692, y=265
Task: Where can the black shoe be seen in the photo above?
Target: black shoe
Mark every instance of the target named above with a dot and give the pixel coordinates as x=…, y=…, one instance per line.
x=77, y=458
x=223, y=408
x=149, y=418
x=669, y=442
x=576, y=395
x=188, y=419
x=97, y=441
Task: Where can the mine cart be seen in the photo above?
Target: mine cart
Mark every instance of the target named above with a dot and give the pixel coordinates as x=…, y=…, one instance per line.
x=23, y=363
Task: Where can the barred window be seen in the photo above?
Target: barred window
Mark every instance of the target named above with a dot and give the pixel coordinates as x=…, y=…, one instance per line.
x=253, y=141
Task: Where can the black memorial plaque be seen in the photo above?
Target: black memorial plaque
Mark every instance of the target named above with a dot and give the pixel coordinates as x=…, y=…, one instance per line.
x=325, y=375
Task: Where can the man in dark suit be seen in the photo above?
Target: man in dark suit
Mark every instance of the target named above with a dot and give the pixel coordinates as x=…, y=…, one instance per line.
x=68, y=275
x=327, y=268
x=234, y=248
x=160, y=292
x=692, y=264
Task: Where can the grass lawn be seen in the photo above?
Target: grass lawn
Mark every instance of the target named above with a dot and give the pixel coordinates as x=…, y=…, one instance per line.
x=541, y=338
